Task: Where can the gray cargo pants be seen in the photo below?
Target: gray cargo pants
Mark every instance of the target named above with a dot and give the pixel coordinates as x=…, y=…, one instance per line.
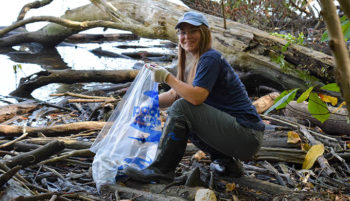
x=216, y=131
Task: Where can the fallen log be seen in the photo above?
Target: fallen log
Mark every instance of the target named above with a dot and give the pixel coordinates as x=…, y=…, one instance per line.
x=63, y=129
x=335, y=124
x=35, y=156
x=83, y=38
x=280, y=155
x=276, y=139
x=28, y=84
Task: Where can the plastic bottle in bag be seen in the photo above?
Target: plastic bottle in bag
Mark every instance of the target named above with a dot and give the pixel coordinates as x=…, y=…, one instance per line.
x=132, y=133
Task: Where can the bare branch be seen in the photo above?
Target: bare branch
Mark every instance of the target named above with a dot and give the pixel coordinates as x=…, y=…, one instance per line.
x=64, y=22
x=28, y=6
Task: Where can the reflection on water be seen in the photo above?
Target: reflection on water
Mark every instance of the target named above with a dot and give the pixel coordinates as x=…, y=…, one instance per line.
x=74, y=56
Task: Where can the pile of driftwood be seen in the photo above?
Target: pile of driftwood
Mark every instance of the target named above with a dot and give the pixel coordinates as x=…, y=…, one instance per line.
x=45, y=156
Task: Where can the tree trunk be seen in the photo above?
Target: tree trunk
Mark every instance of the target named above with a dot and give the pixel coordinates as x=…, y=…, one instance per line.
x=156, y=19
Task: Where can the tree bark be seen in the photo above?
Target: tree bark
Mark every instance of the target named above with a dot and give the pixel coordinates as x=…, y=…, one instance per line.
x=337, y=44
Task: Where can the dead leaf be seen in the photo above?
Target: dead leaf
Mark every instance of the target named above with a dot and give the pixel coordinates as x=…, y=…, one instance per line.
x=293, y=137
x=305, y=147
x=338, y=108
x=311, y=156
x=198, y=155
x=230, y=187
x=328, y=99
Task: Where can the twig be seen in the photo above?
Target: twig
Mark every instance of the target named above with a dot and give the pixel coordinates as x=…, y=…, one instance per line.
x=15, y=140
x=83, y=152
x=223, y=12
x=55, y=172
x=321, y=159
x=92, y=100
x=273, y=170
x=80, y=95
x=340, y=159
x=9, y=174
x=296, y=125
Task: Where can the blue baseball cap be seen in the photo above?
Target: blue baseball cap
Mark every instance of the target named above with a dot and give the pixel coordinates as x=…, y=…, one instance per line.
x=194, y=18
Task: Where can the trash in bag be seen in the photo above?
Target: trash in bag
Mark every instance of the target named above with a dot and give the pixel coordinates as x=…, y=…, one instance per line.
x=132, y=133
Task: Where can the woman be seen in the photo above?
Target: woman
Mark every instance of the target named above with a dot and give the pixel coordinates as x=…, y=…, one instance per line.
x=209, y=106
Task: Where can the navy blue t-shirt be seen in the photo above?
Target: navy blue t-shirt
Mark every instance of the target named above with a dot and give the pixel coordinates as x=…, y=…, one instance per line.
x=226, y=91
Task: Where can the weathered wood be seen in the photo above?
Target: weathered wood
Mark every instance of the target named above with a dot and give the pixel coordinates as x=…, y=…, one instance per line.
x=158, y=21
x=37, y=155
x=76, y=153
x=335, y=124
x=81, y=38
x=146, y=195
x=281, y=155
x=27, y=85
x=264, y=103
x=63, y=129
x=274, y=139
x=9, y=174
x=9, y=111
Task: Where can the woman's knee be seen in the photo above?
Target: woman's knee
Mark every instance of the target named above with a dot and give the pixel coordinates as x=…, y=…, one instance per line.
x=179, y=107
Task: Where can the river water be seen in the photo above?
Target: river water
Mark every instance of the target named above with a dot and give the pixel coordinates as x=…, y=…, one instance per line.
x=77, y=56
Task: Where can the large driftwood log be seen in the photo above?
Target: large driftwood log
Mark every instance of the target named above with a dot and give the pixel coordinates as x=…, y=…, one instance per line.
x=335, y=124
x=42, y=78
x=63, y=129
x=158, y=21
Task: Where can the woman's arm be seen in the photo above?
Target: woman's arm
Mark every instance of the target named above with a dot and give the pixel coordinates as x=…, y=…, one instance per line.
x=195, y=95
x=167, y=98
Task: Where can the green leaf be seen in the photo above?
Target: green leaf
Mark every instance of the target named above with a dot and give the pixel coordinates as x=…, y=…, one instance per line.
x=331, y=87
x=346, y=29
x=305, y=95
x=325, y=36
x=283, y=100
x=318, y=108
x=14, y=68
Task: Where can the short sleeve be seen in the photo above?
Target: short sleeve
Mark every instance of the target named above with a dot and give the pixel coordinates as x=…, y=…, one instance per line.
x=207, y=72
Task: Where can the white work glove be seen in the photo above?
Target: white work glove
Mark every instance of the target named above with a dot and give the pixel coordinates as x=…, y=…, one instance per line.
x=159, y=73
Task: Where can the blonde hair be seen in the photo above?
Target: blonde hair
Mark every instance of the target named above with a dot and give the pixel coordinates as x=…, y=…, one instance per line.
x=204, y=45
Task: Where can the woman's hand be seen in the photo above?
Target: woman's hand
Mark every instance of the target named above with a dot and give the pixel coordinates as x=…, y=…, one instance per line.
x=160, y=74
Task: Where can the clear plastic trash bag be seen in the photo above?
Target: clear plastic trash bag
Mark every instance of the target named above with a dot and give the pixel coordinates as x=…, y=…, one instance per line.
x=132, y=133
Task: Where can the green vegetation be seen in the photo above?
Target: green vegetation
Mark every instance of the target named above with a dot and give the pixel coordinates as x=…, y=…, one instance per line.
x=317, y=103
